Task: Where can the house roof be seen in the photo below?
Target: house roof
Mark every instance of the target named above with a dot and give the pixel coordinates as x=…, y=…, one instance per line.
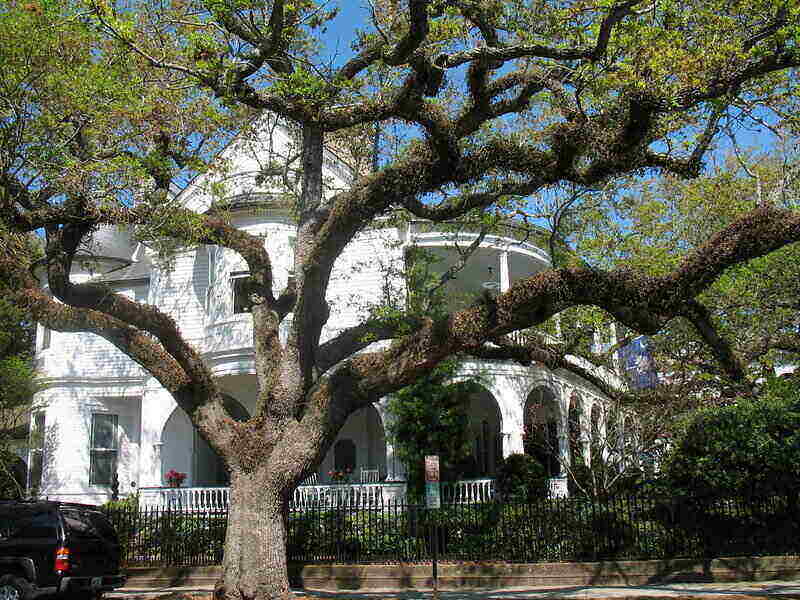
x=251, y=201
x=138, y=270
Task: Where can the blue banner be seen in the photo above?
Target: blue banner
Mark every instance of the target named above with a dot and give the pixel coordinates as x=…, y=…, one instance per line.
x=638, y=364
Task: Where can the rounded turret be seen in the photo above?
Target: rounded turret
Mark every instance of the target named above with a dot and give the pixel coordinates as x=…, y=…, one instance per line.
x=108, y=248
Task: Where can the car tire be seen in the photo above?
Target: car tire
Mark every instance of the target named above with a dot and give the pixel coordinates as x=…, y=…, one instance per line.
x=15, y=588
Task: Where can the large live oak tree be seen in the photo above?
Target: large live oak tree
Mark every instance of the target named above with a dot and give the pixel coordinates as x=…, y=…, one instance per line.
x=493, y=104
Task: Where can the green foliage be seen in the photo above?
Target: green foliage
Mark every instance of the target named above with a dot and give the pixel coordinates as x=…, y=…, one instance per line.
x=425, y=294
x=751, y=447
x=129, y=503
x=430, y=417
x=651, y=226
x=12, y=472
x=341, y=535
x=521, y=478
x=167, y=537
x=17, y=386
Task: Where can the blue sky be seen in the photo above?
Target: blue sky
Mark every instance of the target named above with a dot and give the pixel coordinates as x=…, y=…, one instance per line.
x=340, y=30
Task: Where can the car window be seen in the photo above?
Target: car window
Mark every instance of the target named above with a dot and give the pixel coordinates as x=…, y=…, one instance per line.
x=103, y=525
x=28, y=524
x=88, y=524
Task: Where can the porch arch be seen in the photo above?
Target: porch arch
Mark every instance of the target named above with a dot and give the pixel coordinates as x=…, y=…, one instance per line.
x=486, y=426
x=360, y=445
x=184, y=450
x=543, y=433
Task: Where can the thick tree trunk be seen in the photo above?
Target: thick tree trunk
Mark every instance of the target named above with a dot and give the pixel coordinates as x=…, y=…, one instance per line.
x=254, y=566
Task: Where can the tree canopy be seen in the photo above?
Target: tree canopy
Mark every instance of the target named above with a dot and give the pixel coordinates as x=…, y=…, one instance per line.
x=17, y=386
x=497, y=110
x=751, y=311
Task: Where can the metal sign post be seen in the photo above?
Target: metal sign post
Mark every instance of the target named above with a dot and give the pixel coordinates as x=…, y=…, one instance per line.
x=433, y=500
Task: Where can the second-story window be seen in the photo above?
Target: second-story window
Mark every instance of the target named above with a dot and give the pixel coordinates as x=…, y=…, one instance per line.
x=45, y=337
x=239, y=285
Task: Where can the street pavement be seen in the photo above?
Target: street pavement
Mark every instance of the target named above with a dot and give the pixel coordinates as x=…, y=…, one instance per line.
x=718, y=591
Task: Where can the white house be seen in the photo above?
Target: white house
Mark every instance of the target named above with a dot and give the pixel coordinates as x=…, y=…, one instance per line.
x=101, y=414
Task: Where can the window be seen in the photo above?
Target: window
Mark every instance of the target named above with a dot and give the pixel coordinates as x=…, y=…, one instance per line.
x=26, y=523
x=241, y=298
x=46, y=335
x=88, y=524
x=36, y=452
x=141, y=292
x=212, y=264
x=292, y=243
x=103, y=451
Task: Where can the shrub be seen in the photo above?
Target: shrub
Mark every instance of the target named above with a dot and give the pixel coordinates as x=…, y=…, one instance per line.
x=749, y=448
x=521, y=478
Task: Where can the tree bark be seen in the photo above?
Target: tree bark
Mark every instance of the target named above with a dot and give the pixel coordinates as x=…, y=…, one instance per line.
x=254, y=565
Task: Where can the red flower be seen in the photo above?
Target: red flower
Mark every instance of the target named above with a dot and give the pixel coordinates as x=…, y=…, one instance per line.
x=175, y=478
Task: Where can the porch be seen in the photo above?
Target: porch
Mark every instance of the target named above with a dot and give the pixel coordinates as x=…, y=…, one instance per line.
x=309, y=496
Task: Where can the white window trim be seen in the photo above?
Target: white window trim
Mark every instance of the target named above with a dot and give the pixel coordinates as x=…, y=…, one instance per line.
x=93, y=448
x=46, y=337
x=233, y=277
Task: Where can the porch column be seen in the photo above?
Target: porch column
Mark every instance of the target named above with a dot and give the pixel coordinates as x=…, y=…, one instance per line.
x=505, y=276
x=157, y=405
x=512, y=442
x=562, y=424
x=156, y=468
x=395, y=470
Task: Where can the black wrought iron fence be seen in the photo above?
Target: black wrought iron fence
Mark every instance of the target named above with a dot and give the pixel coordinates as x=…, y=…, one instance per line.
x=617, y=528
x=157, y=536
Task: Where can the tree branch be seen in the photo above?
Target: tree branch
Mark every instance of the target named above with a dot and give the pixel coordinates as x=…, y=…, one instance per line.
x=642, y=303
x=700, y=317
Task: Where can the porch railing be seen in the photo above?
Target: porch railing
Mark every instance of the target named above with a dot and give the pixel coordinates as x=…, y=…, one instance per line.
x=468, y=491
x=365, y=495
x=356, y=494
x=190, y=498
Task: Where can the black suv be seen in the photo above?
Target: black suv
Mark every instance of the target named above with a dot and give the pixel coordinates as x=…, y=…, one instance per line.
x=56, y=548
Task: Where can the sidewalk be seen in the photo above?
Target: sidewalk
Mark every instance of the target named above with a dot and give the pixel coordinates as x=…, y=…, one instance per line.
x=737, y=591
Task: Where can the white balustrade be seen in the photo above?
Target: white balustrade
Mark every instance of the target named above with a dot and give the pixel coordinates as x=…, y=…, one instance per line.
x=189, y=498
x=468, y=491
x=368, y=495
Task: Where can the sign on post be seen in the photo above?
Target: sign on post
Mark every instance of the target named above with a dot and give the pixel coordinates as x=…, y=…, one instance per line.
x=432, y=497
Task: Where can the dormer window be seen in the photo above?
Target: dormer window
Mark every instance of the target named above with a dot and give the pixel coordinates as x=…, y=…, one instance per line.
x=240, y=281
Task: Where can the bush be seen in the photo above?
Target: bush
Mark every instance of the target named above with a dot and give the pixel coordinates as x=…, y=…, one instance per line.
x=749, y=448
x=166, y=537
x=521, y=478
